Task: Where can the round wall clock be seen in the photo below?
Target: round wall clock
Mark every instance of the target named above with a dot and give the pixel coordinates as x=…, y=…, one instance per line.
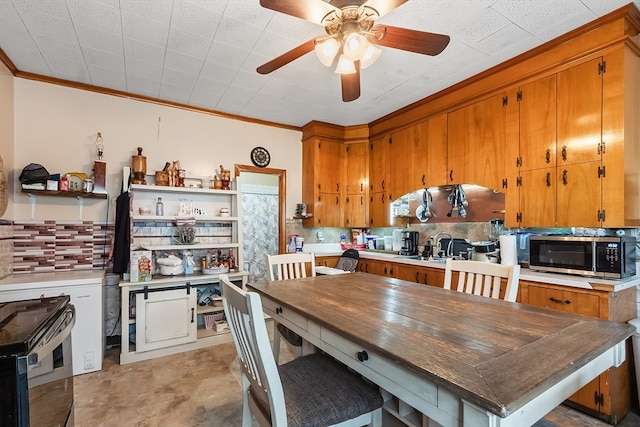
x=260, y=157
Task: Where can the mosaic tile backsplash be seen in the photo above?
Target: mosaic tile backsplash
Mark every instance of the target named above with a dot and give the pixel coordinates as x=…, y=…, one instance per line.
x=48, y=246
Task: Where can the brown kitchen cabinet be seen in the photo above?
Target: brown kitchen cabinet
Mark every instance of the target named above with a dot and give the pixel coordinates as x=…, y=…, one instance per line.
x=418, y=157
x=327, y=260
x=582, y=176
x=476, y=139
x=607, y=397
x=356, y=206
x=322, y=166
x=379, y=203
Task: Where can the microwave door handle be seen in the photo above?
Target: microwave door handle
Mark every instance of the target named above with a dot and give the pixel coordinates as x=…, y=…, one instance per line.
x=594, y=257
x=49, y=343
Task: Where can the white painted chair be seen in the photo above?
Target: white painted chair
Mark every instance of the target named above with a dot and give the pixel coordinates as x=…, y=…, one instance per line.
x=318, y=390
x=483, y=278
x=283, y=267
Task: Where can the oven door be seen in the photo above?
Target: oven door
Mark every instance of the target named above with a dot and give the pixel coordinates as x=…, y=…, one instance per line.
x=50, y=375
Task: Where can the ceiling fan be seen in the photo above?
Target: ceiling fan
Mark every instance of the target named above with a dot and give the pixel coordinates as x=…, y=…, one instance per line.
x=352, y=38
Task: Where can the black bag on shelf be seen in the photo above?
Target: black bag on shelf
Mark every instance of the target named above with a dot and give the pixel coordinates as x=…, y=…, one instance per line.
x=34, y=173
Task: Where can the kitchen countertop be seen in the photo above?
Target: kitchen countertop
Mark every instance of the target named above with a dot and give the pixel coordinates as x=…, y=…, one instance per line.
x=525, y=273
x=55, y=279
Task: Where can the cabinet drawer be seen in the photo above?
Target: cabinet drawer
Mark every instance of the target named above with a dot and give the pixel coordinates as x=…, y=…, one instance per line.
x=283, y=315
x=392, y=373
x=568, y=301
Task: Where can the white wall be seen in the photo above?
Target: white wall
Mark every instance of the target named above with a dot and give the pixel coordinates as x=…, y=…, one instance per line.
x=56, y=126
x=6, y=130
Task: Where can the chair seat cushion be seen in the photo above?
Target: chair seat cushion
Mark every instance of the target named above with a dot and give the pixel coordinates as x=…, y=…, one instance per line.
x=291, y=337
x=319, y=391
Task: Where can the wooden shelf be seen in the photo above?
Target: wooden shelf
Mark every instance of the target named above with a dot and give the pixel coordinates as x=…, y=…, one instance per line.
x=80, y=194
x=189, y=247
x=166, y=218
x=161, y=188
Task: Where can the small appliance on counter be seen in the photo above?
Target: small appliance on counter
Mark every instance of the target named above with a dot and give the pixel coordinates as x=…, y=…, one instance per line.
x=611, y=257
x=409, y=243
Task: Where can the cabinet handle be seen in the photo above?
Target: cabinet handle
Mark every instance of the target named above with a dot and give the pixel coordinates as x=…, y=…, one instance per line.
x=564, y=177
x=383, y=184
x=564, y=153
x=337, y=200
x=361, y=187
x=192, y=314
x=423, y=180
x=451, y=175
x=548, y=156
x=559, y=301
x=548, y=179
x=363, y=356
x=361, y=200
x=278, y=310
x=337, y=188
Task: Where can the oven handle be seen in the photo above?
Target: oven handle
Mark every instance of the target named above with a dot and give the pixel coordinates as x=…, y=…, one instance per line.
x=54, y=336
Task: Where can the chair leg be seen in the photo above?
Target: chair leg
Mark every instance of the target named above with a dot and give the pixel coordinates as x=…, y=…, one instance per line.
x=247, y=417
x=376, y=418
x=276, y=342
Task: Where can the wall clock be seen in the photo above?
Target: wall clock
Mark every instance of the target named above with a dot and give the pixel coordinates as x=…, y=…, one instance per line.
x=260, y=157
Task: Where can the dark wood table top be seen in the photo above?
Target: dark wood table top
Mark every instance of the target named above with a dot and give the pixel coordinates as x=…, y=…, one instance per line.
x=496, y=354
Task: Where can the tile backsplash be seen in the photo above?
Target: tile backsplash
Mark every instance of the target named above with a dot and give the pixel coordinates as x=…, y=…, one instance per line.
x=47, y=245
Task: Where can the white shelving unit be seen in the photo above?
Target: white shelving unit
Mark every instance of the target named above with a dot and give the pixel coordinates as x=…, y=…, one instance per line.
x=163, y=314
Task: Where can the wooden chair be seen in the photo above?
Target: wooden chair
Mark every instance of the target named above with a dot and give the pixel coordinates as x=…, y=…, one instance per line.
x=483, y=278
x=289, y=266
x=310, y=390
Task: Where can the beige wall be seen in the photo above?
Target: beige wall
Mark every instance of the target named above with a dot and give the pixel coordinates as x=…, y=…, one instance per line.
x=6, y=130
x=57, y=126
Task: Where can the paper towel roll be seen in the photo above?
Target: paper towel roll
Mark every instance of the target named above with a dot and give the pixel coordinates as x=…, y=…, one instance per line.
x=508, y=250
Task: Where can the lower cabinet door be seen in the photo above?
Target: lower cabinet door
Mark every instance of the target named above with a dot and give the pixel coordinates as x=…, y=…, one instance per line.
x=165, y=318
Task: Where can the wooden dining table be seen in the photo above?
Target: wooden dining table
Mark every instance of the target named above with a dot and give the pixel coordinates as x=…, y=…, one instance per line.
x=451, y=357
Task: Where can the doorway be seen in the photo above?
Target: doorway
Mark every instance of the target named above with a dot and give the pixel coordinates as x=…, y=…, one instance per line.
x=263, y=204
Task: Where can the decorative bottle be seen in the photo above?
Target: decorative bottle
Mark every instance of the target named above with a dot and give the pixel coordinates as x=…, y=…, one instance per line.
x=159, y=207
x=232, y=261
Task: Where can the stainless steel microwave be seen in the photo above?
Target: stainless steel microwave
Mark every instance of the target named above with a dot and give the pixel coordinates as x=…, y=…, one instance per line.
x=606, y=257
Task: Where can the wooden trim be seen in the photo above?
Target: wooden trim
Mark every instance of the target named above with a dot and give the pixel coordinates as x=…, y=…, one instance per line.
x=143, y=98
x=282, y=198
x=8, y=62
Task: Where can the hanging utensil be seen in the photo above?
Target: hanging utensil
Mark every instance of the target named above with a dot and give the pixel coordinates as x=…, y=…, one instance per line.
x=462, y=202
x=423, y=212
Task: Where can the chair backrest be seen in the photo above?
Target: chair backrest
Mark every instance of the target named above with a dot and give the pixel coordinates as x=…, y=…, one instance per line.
x=291, y=266
x=483, y=278
x=259, y=370
x=348, y=260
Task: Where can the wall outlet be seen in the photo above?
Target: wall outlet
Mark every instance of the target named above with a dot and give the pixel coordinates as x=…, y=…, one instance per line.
x=88, y=360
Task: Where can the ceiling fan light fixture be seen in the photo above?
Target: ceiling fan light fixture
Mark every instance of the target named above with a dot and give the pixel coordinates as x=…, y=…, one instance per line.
x=326, y=50
x=370, y=56
x=345, y=65
x=355, y=46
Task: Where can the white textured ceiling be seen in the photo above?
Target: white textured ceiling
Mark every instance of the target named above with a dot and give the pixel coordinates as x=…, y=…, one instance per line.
x=204, y=53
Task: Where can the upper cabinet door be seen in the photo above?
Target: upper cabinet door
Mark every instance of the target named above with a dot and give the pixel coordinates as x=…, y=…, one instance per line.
x=436, y=153
x=477, y=136
x=379, y=164
x=357, y=155
x=537, y=111
x=580, y=113
x=329, y=168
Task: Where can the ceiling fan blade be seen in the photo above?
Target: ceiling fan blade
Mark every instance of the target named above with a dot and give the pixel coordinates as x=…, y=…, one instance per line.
x=351, y=84
x=287, y=57
x=411, y=40
x=384, y=6
x=308, y=10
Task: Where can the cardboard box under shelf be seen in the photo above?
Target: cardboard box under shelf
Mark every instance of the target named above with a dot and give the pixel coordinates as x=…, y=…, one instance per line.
x=220, y=326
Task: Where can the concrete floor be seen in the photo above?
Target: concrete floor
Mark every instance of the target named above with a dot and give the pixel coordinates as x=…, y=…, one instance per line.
x=199, y=388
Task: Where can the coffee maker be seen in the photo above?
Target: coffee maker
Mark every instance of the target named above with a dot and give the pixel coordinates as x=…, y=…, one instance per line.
x=409, y=243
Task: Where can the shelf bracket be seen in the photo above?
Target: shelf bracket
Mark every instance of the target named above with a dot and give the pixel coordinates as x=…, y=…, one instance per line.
x=32, y=203
x=80, y=206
